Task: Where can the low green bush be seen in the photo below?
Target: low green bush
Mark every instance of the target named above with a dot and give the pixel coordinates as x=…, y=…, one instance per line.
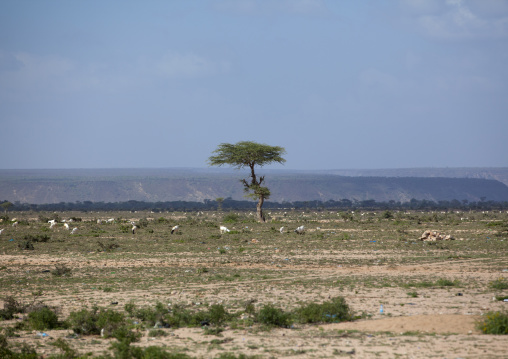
x=11, y=307
x=494, y=323
x=149, y=316
x=89, y=322
x=333, y=311
x=61, y=270
x=443, y=282
x=43, y=318
x=231, y=218
x=499, y=284
x=272, y=316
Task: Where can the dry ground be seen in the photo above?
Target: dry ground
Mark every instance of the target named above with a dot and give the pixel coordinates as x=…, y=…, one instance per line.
x=432, y=294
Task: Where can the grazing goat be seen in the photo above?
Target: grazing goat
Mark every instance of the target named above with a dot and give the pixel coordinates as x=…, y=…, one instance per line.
x=15, y=224
x=1, y=230
x=300, y=230
x=66, y=226
x=134, y=227
x=174, y=229
x=74, y=230
x=223, y=230
x=281, y=230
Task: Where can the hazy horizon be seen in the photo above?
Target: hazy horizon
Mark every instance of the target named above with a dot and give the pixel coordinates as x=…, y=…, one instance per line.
x=339, y=85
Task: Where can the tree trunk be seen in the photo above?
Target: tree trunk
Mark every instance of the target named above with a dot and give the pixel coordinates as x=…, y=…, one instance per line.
x=259, y=206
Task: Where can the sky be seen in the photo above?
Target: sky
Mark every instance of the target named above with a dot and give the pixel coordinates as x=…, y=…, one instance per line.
x=339, y=84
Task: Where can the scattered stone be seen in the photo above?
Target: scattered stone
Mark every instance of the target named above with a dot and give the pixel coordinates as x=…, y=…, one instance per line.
x=435, y=236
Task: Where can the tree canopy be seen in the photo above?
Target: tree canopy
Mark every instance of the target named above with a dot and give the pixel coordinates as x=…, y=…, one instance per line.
x=246, y=154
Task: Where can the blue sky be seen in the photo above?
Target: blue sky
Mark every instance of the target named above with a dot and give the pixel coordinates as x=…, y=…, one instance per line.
x=338, y=84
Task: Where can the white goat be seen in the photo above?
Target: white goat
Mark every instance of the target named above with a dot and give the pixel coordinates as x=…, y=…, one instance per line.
x=134, y=227
x=74, y=230
x=281, y=230
x=223, y=230
x=300, y=230
x=174, y=229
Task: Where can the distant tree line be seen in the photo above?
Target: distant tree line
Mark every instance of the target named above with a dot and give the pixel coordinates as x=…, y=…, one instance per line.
x=230, y=204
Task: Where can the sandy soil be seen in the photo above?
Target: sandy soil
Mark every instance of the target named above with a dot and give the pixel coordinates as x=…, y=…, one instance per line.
x=436, y=324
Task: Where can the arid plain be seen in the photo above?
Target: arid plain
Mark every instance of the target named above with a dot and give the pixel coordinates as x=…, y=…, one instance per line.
x=408, y=298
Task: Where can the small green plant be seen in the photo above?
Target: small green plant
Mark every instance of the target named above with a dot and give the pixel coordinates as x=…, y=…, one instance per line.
x=157, y=333
x=499, y=284
x=494, y=323
x=26, y=245
x=412, y=294
x=106, y=247
x=231, y=218
x=443, y=282
x=387, y=215
x=37, y=238
x=213, y=331
x=61, y=270
x=344, y=237
x=67, y=351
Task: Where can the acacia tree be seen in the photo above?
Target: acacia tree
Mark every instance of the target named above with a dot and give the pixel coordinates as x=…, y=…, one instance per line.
x=6, y=205
x=249, y=154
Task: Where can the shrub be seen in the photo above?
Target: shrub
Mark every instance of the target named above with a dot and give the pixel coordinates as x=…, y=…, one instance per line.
x=499, y=284
x=143, y=223
x=412, y=294
x=61, y=270
x=43, y=318
x=37, y=238
x=217, y=314
x=333, y=311
x=387, y=215
x=11, y=307
x=231, y=218
x=179, y=317
x=157, y=333
x=68, y=352
x=272, y=316
x=87, y=322
x=148, y=315
x=27, y=245
x=494, y=323
x=27, y=352
x=159, y=353
x=442, y=282
x=123, y=349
